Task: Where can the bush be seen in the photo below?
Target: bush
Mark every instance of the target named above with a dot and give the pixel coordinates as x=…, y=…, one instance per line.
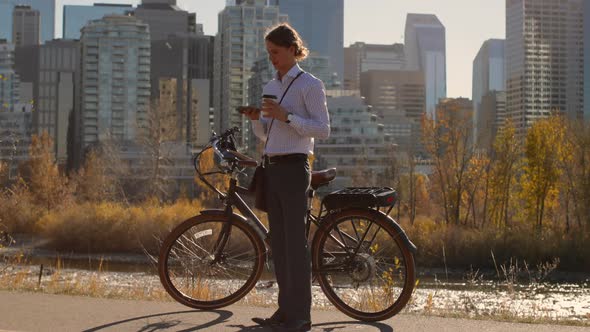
x=18, y=211
x=464, y=246
x=114, y=227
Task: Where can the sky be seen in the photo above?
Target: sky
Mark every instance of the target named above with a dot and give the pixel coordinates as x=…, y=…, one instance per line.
x=468, y=24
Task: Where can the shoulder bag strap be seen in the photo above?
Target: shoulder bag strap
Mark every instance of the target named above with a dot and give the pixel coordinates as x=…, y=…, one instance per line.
x=283, y=96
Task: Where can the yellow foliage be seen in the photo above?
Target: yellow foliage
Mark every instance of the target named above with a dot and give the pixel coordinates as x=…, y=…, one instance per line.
x=114, y=227
x=48, y=186
x=19, y=211
x=544, y=150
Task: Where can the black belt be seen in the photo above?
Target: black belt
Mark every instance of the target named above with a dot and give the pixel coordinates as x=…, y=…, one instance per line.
x=285, y=158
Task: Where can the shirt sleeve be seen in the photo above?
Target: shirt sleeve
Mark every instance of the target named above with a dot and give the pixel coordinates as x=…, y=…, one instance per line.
x=318, y=124
x=259, y=128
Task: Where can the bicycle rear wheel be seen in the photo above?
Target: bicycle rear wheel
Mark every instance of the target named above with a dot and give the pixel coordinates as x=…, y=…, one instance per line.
x=208, y=263
x=364, y=268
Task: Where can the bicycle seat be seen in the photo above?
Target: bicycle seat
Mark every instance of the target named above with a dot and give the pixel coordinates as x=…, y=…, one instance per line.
x=322, y=178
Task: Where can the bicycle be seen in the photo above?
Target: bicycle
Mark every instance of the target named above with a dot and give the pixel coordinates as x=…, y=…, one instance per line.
x=361, y=258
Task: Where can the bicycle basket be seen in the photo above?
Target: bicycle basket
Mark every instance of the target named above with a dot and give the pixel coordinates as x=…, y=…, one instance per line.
x=360, y=197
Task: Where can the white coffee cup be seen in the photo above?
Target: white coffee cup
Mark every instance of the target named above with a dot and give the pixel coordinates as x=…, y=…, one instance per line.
x=270, y=97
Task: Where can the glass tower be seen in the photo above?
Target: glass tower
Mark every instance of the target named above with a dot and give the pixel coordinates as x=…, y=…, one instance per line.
x=425, y=48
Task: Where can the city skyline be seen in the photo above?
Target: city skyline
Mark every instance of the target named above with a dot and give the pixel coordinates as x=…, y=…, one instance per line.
x=468, y=24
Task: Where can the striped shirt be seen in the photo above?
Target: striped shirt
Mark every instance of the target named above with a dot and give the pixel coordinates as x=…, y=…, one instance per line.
x=306, y=99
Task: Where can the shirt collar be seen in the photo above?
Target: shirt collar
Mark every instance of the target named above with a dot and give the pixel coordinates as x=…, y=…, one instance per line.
x=291, y=73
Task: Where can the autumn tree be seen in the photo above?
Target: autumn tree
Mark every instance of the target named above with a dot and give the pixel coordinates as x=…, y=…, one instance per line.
x=98, y=180
x=505, y=161
x=160, y=140
x=575, y=182
x=447, y=140
x=476, y=181
x=49, y=187
x=543, y=152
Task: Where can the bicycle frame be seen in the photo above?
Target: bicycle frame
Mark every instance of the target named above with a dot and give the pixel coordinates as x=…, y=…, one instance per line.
x=233, y=199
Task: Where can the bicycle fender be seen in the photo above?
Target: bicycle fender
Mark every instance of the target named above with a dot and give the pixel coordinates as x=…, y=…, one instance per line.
x=235, y=217
x=379, y=214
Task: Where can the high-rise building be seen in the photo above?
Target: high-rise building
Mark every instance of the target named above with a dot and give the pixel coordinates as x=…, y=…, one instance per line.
x=187, y=60
x=46, y=10
x=358, y=146
x=492, y=113
x=404, y=133
x=9, y=79
x=16, y=130
x=321, y=25
x=165, y=18
x=59, y=63
x=15, y=116
x=238, y=44
x=544, y=60
x=201, y=124
x=394, y=93
x=360, y=57
x=398, y=97
x=114, y=80
x=488, y=75
x=26, y=63
x=25, y=26
x=425, y=48
x=77, y=16
x=6, y=8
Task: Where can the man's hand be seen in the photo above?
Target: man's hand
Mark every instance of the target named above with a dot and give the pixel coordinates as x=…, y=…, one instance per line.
x=251, y=112
x=272, y=109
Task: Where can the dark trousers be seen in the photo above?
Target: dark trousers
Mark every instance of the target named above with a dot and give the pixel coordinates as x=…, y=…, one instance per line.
x=287, y=184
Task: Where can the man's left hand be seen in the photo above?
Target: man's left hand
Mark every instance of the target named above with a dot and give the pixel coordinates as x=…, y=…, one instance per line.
x=274, y=110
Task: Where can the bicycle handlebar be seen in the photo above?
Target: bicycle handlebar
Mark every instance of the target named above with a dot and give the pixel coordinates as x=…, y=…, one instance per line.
x=224, y=148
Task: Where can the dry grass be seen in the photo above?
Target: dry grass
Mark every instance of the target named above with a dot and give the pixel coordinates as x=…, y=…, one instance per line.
x=18, y=211
x=465, y=246
x=56, y=280
x=114, y=227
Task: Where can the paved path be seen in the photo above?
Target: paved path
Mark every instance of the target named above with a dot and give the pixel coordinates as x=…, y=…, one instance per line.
x=44, y=312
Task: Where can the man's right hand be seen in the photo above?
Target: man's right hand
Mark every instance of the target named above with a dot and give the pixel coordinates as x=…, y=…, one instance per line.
x=251, y=112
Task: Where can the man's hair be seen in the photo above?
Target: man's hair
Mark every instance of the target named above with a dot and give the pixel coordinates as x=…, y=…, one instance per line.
x=285, y=35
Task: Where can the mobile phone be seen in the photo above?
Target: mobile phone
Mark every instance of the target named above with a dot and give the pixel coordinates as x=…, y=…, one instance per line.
x=269, y=97
x=242, y=109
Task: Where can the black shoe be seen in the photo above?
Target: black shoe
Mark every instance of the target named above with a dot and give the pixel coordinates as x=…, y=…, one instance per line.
x=275, y=319
x=294, y=326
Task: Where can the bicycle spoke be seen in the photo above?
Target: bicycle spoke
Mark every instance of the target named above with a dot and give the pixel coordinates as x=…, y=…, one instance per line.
x=355, y=231
x=369, y=283
x=374, y=236
x=200, y=272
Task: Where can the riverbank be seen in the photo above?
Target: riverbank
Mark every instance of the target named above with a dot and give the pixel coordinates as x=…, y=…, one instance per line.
x=512, y=292
x=565, y=303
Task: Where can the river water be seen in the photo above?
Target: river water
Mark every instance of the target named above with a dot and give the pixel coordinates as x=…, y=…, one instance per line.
x=472, y=297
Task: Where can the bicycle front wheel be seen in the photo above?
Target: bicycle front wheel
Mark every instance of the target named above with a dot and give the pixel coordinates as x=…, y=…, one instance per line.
x=362, y=265
x=207, y=262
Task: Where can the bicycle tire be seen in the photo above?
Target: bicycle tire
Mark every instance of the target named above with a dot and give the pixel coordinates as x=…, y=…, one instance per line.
x=324, y=278
x=177, y=294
